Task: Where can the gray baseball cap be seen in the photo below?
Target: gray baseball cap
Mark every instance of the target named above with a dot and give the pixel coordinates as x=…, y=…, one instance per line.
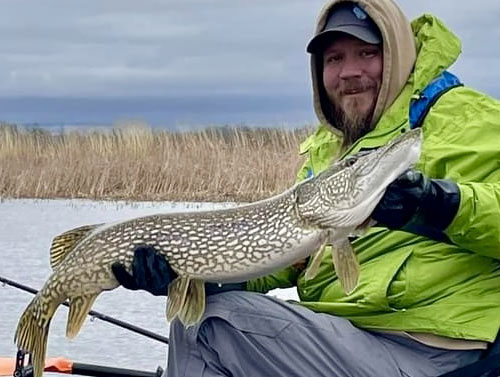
x=347, y=17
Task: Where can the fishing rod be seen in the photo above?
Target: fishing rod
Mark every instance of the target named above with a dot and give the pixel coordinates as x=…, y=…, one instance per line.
x=16, y=367
x=94, y=314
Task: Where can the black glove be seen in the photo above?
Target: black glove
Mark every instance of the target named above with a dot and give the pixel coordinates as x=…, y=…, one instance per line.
x=152, y=272
x=418, y=204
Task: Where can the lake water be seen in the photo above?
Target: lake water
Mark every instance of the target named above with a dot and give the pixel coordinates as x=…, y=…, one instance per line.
x=26, y=231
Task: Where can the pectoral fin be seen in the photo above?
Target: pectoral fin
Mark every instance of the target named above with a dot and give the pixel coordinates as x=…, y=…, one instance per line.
x=363, y=228
x=313, y=268
x=346, y=264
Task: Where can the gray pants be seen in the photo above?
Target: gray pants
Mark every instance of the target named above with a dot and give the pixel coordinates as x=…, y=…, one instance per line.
x=245, y=334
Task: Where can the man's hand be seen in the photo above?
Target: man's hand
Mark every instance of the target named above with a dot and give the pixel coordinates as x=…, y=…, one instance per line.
x=150, y=272
x=418, y=204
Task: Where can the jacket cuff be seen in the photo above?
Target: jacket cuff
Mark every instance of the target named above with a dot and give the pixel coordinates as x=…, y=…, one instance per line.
x=439, y=207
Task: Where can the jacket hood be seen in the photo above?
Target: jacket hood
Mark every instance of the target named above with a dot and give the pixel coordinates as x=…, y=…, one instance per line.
x=437, y=49
x=399, y=55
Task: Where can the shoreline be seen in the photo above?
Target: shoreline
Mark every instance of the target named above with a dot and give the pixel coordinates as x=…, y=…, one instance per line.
x=140, y=163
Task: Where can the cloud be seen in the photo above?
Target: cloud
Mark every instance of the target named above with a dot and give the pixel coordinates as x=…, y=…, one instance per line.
x=125, y=48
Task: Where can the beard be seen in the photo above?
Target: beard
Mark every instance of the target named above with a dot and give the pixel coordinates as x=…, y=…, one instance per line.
x=349, y=116
x=353, y=124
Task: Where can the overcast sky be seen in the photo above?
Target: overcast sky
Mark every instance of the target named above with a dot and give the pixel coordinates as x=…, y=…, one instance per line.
x=225, y=51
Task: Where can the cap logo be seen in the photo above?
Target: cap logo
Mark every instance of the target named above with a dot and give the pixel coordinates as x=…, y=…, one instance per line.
x=359, y=13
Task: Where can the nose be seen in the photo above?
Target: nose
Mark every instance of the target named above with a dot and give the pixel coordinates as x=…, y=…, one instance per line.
x=350, y=68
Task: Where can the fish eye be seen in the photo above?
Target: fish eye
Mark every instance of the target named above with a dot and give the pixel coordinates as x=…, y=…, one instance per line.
x=350, y=160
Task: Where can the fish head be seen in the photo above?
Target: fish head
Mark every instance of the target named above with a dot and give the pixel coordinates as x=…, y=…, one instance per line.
x=345, y=194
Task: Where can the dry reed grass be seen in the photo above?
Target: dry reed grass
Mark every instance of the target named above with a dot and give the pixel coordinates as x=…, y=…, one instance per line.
x=139, y=163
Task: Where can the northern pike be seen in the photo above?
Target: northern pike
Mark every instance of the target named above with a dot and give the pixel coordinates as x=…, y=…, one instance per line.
x=220, y=246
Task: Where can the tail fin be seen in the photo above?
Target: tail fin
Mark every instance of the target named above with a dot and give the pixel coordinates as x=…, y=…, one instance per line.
x=33, y=329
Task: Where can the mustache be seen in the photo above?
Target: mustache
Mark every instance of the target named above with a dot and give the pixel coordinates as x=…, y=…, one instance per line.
x=356, y=85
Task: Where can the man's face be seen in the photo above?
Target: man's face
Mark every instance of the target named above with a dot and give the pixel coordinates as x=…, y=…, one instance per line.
x=352, y=76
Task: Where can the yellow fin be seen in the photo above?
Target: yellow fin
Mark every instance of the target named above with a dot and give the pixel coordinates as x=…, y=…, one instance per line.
x=33, y=329
x=177, y=291
x=313, y=268
x=194, y=304
x=64, y=243
x=346, y=265
x=79, y=307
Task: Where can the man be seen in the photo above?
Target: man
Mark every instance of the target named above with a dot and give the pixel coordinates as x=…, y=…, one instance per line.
x=429, y=297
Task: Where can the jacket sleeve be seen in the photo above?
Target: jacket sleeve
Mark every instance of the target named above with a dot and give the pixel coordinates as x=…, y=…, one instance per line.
x=477, y=224
x=285, y=278
x=462, y=142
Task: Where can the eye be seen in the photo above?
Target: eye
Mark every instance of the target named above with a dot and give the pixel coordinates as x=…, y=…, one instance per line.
x=369, y=53
x=350, y=160
x=332, y=58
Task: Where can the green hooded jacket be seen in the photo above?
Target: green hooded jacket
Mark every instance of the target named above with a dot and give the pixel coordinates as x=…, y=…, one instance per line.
x=408, y=282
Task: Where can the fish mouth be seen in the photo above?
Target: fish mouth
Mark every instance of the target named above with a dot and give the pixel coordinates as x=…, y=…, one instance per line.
x=410, y=141
x=404, y=148
x=377, y=171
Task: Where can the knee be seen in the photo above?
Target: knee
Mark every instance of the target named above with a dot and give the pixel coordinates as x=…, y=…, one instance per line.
x=221, y=311
x=207, y=328
x=210, y=328
x=177, y=330
x=204, y=335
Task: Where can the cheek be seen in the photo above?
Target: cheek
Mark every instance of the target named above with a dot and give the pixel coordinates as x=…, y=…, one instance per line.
x=330, y=79
x=375, y=70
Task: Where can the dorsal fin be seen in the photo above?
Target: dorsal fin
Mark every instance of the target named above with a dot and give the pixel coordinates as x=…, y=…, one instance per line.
x=63, y=243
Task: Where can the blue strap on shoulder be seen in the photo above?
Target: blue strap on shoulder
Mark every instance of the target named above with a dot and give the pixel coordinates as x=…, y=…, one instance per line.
x=423, y=101
x=310, y=172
